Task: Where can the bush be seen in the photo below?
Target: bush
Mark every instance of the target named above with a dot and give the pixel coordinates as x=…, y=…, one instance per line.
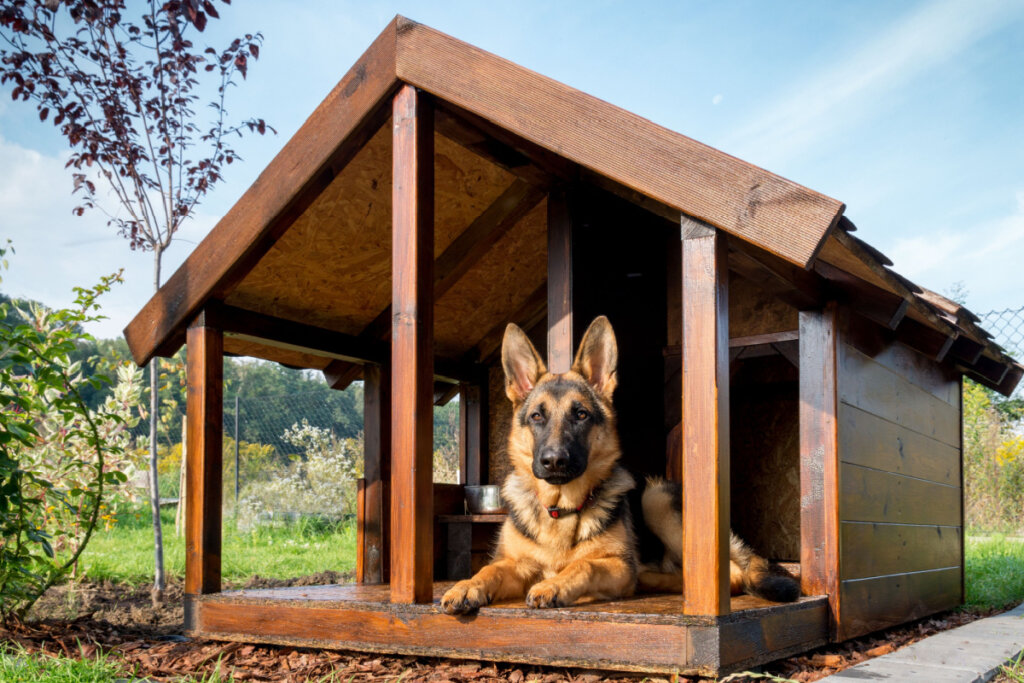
x=993, y=463
x=61, y=464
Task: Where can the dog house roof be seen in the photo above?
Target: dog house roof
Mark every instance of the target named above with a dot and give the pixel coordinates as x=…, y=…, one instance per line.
x=309, y=242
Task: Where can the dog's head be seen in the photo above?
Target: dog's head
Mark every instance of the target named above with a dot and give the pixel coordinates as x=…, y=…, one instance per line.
x=563, y=424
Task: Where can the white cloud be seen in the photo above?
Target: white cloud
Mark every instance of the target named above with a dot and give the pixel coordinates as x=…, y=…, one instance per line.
x=859, y=85
x=56, y=251
x=717, y=99
x=987, y=257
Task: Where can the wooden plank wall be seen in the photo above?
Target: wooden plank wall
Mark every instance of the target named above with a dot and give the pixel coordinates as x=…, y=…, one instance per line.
x=900, y=495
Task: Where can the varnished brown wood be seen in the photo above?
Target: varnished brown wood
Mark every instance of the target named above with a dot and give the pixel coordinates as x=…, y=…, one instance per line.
x=705, y=418
x=472, y=434
x=352, y=112
x=560, y=266
x=205, y=376
x=412, y=348
x=878, y=390
x=875, y=442
x=645, y=633
x=933, y=343
x=873, y=604
x=874, y=303
x=869, y=495
x=875, y=549
x=790, y=220
x=819, y=456
x=802, y=289
x=376, y=518
x=772, y=338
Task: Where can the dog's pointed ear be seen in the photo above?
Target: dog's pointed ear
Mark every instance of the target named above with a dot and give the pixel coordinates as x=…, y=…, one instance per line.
x=523, y=365
x=598, y=357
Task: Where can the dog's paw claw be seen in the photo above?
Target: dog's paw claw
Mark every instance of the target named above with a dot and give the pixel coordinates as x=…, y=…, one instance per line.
x=544, y=595
x=461, y=598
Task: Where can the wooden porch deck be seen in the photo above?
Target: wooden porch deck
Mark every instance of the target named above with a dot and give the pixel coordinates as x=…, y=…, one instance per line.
x=645, y=633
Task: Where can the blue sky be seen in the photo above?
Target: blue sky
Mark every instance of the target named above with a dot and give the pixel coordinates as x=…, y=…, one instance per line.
x=912, y=113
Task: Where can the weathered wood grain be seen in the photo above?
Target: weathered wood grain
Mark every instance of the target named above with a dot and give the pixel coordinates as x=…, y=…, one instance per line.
x=869, y=495
x=819, y=456
x=785, y=218
x=705, y=418
x=561, y=346
x=376, y=518
x=205, y=406
x=874, y=388
x=875, y=442
x=880, y=549
x=412, y=416
x=873, y=604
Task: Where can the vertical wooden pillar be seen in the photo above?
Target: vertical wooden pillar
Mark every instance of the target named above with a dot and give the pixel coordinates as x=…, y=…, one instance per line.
x=205, y=373
x=705, y=356
x=373, y=518
x=560, y=294
x=472, y=434
x=412, y=348
x=819, y=455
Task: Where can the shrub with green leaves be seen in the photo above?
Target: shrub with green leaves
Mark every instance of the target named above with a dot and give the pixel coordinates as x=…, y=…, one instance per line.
x=61, y=464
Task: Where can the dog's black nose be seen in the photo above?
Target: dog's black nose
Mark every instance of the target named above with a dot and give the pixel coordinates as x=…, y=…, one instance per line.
x=554, y=460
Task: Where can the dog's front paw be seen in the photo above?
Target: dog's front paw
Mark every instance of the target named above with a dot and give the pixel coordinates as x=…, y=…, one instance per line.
x=546, y=594
x=465, y=596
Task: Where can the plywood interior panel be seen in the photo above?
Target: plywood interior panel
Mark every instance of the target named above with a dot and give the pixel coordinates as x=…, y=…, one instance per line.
x=495, y=287
x=332, y=268
x=765, y=456
x=752, y=310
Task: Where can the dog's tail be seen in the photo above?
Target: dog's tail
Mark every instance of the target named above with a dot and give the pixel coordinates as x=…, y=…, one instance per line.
x=761, y=577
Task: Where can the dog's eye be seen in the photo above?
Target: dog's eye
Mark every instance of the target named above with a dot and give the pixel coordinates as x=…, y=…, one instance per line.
x=536, y=417
x=582, y=415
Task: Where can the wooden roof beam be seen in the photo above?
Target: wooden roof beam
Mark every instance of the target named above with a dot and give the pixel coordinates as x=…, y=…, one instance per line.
x=802, y=289
x=461, y=255
x=929, y=341
x=739, y=198
x=353, y=111
x=287, y=334
x=506, y=150
x=874, y=303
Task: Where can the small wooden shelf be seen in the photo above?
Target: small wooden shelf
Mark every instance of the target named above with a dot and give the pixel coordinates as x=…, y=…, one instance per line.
x=494, y=518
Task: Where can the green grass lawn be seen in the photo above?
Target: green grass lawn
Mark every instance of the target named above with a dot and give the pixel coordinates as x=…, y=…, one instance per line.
x=995, y=571
x=125, y=552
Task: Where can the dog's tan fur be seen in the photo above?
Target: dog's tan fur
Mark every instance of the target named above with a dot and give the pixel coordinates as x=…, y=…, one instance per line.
x=592, y=550
x=552, y=561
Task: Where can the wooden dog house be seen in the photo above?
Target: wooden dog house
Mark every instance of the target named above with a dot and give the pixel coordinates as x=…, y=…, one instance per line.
x=440, y=192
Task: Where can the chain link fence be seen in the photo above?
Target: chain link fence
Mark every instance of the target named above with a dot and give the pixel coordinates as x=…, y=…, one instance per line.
x=298, y=455
x=1007, y=326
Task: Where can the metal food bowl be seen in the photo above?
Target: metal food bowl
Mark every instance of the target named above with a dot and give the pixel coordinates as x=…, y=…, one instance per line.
x=484, y=500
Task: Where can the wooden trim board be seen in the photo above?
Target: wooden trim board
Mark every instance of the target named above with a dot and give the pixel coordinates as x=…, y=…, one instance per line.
x=645, y=634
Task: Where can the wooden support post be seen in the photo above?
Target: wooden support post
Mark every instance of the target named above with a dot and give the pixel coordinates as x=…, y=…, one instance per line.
x=472, y=434
x=205, y=368
x=819, y=456
x=560, y=318
x=705, y=416
x=412, y=346
x=373, y=518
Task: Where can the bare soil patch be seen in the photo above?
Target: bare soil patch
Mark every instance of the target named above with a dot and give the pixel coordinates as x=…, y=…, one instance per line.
x=83, y=619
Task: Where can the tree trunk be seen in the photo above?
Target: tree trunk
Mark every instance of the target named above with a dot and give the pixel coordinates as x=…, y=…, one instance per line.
x=159, y=582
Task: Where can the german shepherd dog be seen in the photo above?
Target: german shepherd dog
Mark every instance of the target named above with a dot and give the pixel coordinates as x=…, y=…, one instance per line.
x=569, y=532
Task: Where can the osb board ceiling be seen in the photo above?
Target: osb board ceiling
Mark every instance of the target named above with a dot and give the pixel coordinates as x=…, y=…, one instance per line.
x=332, y=268
x=754, y=311
x=495, y=287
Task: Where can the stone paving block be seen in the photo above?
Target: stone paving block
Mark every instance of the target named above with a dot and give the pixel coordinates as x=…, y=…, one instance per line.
x=968, y=654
